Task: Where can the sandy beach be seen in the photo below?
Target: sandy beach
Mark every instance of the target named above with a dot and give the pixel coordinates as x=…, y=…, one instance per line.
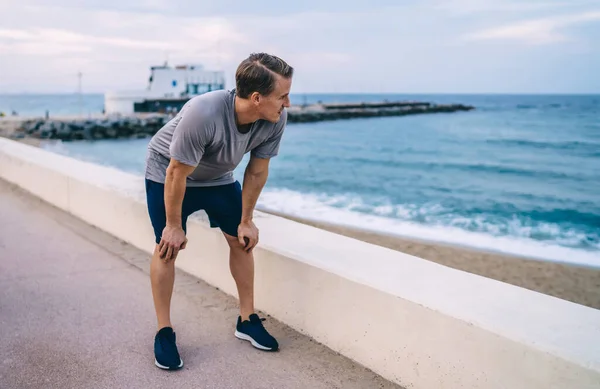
x=578, y=284
x=9, y=124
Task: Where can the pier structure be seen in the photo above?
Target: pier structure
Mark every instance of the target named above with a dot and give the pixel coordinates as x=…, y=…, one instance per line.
x=324, y=112
x=140, y=125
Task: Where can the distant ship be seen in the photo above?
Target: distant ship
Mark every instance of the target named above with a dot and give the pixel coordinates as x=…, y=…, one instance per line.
x=169, y=88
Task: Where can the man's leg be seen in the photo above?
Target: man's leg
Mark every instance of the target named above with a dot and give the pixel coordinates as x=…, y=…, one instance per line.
x=162, y=278
x=225, y=211
x=249, y=326
x=241, y=264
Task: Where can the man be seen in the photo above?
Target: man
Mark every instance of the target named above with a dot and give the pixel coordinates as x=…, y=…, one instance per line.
x=189, y=167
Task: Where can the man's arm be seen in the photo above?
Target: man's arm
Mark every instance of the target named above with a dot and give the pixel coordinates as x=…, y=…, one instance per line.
x=173, y=237
x=175, y=182
x=255, y=177
x=187, y=146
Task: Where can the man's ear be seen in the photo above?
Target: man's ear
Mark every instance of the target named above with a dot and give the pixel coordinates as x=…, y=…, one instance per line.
x=255, y=97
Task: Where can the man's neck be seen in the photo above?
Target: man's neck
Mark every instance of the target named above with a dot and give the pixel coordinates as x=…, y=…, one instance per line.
x=244, y=113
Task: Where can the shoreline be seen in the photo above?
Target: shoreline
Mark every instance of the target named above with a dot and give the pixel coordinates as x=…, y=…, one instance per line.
x=577, y=283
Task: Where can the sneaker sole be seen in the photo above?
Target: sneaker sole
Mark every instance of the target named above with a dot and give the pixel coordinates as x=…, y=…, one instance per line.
x=243, y=336
x=168, y=368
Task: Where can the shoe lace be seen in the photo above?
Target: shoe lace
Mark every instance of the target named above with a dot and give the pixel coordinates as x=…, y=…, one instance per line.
x=259, y=323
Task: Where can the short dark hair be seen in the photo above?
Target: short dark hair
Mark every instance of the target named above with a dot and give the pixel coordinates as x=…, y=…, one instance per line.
x=255, y=74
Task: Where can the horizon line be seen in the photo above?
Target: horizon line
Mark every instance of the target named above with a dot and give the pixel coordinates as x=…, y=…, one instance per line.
x=350, y=93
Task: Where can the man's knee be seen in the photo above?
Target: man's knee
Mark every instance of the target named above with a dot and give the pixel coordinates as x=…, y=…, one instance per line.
x=233, y=242
x=157, y=257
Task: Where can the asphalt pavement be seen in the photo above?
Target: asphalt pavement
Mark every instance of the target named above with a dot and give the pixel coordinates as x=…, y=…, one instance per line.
x=76, y=312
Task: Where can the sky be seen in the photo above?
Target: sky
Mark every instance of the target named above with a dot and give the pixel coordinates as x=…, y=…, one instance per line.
x=337, y=46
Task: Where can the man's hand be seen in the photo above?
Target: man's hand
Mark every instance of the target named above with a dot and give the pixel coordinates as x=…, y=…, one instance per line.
x=173, y=240
x=248, y=235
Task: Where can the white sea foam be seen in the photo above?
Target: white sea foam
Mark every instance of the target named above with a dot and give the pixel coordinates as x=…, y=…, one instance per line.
x=341, y=210
x=428, y=222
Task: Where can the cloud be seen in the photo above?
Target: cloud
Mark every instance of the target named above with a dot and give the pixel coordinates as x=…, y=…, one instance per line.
x=478, y=7
x=98, y=42
x=14, y=34
x=540, y=31
x=317, y=60
x=43, y=48
x=340, y=46
x=40, y=38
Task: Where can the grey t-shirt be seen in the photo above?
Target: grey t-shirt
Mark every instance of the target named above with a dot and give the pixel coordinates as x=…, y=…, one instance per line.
x=204, y=134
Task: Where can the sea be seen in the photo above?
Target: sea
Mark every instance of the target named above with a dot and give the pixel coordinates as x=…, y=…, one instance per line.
x=519, y=175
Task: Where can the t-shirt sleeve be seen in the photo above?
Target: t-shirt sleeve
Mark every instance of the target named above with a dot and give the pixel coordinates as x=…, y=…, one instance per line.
x=190, y=138
x=270, y=147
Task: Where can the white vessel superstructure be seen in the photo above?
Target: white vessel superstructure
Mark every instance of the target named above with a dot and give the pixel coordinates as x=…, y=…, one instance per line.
x=168, y=89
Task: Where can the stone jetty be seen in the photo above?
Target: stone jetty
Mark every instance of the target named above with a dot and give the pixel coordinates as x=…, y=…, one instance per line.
x=144, y=125
x=323, y=112
x=69, y=129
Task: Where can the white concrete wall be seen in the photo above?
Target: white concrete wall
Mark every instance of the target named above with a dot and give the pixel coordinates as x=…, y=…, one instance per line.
x=414, y=322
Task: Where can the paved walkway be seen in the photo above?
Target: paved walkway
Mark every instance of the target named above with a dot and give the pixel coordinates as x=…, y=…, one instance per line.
x=76, y=312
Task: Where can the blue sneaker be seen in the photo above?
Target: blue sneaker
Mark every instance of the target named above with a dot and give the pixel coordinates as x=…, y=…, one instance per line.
x=166, y=355
x=253, y=331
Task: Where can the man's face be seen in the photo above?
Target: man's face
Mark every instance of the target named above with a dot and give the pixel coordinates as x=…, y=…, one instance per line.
x=271, y=106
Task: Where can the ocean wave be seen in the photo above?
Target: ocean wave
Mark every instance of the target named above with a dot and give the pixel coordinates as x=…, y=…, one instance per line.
x=502, y=169
x=428, y=166
x=584, y=148
x=526, y=106
x=544, y=106
x=514, y=235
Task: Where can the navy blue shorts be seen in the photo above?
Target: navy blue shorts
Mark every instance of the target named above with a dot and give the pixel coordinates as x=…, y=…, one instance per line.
x=222, y=204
